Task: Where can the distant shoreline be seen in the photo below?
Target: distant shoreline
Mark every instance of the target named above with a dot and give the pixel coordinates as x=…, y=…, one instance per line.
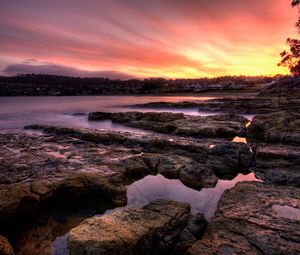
x=217, y=93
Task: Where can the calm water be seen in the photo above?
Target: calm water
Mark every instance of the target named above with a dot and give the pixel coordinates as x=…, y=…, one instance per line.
x=16, y=112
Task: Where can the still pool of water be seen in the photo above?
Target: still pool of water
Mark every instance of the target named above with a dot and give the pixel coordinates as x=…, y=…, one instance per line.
x=155, y=187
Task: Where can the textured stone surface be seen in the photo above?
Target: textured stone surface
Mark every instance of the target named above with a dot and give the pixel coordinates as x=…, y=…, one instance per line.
x=153, y=229
x=69, y=164
x=222, y=156
x=223, y=125
x=254, y=218
x=5, y=247
x=282, y=127
x=278, y=163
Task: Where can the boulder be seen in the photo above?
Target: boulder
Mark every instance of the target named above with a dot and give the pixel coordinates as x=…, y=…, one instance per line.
x=190, y=172
x=254, y=218
x=153, y=229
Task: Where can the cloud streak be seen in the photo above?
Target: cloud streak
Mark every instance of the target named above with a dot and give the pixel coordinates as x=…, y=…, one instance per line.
x=176, y=38
x=54, y=69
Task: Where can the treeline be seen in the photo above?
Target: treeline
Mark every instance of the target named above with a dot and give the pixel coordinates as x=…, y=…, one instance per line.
x=52, y=85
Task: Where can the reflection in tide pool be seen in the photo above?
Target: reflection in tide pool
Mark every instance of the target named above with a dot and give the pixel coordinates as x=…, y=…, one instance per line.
x=60, y=245
x=153, y=187
x=205, y=201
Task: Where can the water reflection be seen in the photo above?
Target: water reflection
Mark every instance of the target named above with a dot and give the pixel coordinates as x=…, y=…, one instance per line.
x=60, y=245
x=205, y=201
x=239, y=139
x=152, y=187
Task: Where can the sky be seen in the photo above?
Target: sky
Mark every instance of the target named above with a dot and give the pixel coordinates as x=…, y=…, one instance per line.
x=144, y=38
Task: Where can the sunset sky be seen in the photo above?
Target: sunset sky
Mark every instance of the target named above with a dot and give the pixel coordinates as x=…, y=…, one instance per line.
x=141, y=38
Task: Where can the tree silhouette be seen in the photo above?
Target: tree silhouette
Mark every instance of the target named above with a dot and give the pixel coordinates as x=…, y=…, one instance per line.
x=295, y=3
x=291, y=58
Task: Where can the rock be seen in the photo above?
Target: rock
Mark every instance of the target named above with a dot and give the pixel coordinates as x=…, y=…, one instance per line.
x=234, y=105
x=197, y=225
x=225, y=125
x=153, y=229
x=285, y=92
x=5, y=247
x=73, y=164
x=238, y=105
x=17, y=199
x=188, y=171
x=197, y=176
x=227, y=160
x=278, y=163
x=224, y=157
x=282, y=127
x=36, y=171
x=181, y=104
x=190, y=234
x=254, y=218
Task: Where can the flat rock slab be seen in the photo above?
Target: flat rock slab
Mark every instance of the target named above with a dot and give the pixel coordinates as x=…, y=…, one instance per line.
x=223, y=157
x=154, y=229
x=223, y=125
x=254, y=218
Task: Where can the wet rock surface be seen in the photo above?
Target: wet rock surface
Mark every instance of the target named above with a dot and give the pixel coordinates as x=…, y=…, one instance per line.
x=254, y=218
x=223, y=125
x=153, y=229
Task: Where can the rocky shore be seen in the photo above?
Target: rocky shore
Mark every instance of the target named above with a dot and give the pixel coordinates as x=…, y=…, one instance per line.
x=161, y=227
x=283, y=95
x=222, y=125
x=254, y=218
x=62, y=181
